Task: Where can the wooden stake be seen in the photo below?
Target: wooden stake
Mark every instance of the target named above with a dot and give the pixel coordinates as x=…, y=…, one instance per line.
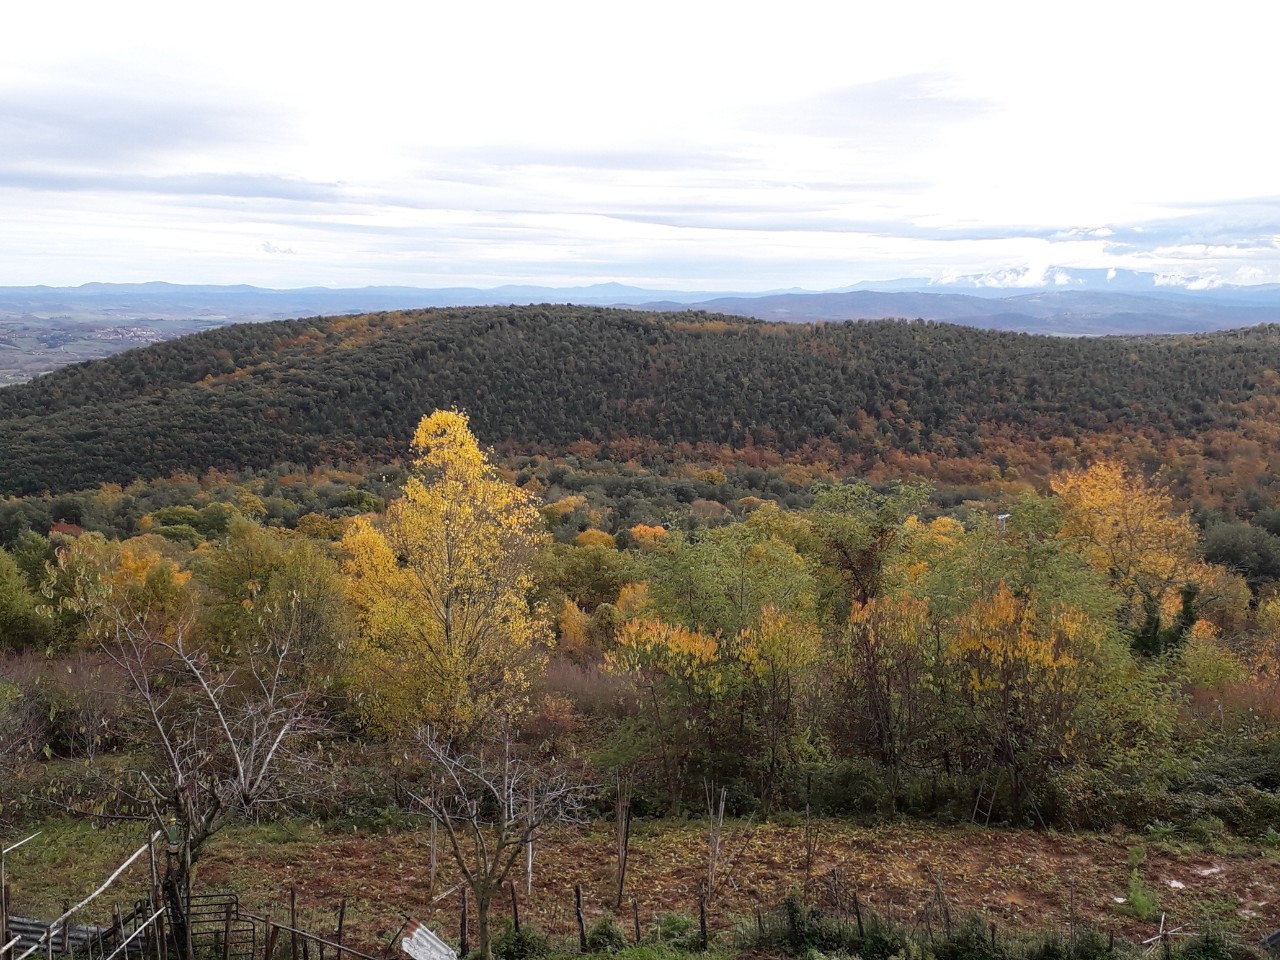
x=582, y=921
x=515, y=909
x=293, y=922
x=432, y=885
x=635, y=914
x=342, y=915
x=857, y=912
x=226, y=932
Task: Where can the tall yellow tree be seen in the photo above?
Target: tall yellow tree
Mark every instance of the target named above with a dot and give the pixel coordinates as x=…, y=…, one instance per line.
x=1128, y=531
x=447, y=634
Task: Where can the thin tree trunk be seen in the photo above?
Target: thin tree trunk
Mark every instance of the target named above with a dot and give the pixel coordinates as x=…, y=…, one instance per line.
x=482, y=925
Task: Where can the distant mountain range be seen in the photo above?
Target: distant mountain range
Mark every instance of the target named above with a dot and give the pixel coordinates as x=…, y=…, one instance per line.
x=42, y=328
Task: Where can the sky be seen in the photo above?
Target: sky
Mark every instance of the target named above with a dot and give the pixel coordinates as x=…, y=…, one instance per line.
x=689, y=146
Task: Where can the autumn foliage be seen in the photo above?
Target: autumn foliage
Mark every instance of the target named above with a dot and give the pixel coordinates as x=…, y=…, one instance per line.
x=1063, y=656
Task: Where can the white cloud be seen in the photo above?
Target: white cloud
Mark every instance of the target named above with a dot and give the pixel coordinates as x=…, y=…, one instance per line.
x=732, y=146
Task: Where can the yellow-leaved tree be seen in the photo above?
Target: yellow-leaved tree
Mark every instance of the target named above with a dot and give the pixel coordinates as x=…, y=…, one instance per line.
x=1022, y=676
x=447, y=635
x=1129, y=532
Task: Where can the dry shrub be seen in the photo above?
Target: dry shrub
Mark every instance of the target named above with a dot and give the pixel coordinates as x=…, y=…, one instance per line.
x=591, y=691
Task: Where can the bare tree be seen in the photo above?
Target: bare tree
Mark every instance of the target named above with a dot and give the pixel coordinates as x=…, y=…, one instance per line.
x=492, y=803
x=228, y=740
x=722, y=852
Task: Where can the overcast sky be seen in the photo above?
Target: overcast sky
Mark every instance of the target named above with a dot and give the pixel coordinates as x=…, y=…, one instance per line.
x=692, y=145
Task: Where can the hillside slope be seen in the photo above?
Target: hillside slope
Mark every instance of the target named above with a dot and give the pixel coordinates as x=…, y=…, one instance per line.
x=620, y=383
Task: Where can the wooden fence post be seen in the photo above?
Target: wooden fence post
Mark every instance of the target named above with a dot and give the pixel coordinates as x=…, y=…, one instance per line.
x=342, y=915
x=270, y=946
x=293, y=923
x=635, y=914
x=226, y=933
x=515, y=909
x=582, y=921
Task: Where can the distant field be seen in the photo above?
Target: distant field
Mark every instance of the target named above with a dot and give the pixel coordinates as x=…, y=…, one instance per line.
x=35, y=345
x=1022, y=880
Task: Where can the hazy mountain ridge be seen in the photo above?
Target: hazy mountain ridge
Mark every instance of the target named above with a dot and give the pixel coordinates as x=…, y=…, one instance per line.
x=43, y=328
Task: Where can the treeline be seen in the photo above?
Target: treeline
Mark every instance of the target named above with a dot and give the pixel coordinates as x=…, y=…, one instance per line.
x=885, y=399
x=1066, y=658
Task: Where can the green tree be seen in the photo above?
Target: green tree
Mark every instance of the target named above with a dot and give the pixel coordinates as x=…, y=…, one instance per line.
x=22, y=626
x=860, y=530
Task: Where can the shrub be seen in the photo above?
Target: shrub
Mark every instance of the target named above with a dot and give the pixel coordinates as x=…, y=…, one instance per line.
x=525, y=944
x=1209, y=946
x=605, y=936
x=677, y=930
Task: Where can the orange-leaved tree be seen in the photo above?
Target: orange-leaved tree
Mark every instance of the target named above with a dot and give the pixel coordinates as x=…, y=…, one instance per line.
x=679, y=674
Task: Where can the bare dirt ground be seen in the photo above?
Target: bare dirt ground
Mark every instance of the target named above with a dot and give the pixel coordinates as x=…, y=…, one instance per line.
x=1020, y=880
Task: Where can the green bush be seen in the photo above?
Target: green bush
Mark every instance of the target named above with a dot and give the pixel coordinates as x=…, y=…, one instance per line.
x=605, y=936
x=677, y=930
x=527, y=944
x=970, y=942
x=1209, y=946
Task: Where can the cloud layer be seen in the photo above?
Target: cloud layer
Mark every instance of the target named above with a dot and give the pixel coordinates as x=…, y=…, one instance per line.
x=716, y=149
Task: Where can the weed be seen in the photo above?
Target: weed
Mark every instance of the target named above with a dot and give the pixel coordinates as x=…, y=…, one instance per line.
x=1208, y=830
x=1143, y=902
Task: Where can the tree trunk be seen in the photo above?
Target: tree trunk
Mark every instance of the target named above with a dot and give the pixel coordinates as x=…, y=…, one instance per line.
x=484, y=947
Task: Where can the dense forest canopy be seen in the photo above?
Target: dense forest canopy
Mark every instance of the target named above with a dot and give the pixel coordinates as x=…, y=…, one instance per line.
x=884, y=399
x=879, y=569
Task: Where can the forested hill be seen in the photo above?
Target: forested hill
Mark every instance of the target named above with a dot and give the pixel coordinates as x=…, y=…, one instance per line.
x=617, y=383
